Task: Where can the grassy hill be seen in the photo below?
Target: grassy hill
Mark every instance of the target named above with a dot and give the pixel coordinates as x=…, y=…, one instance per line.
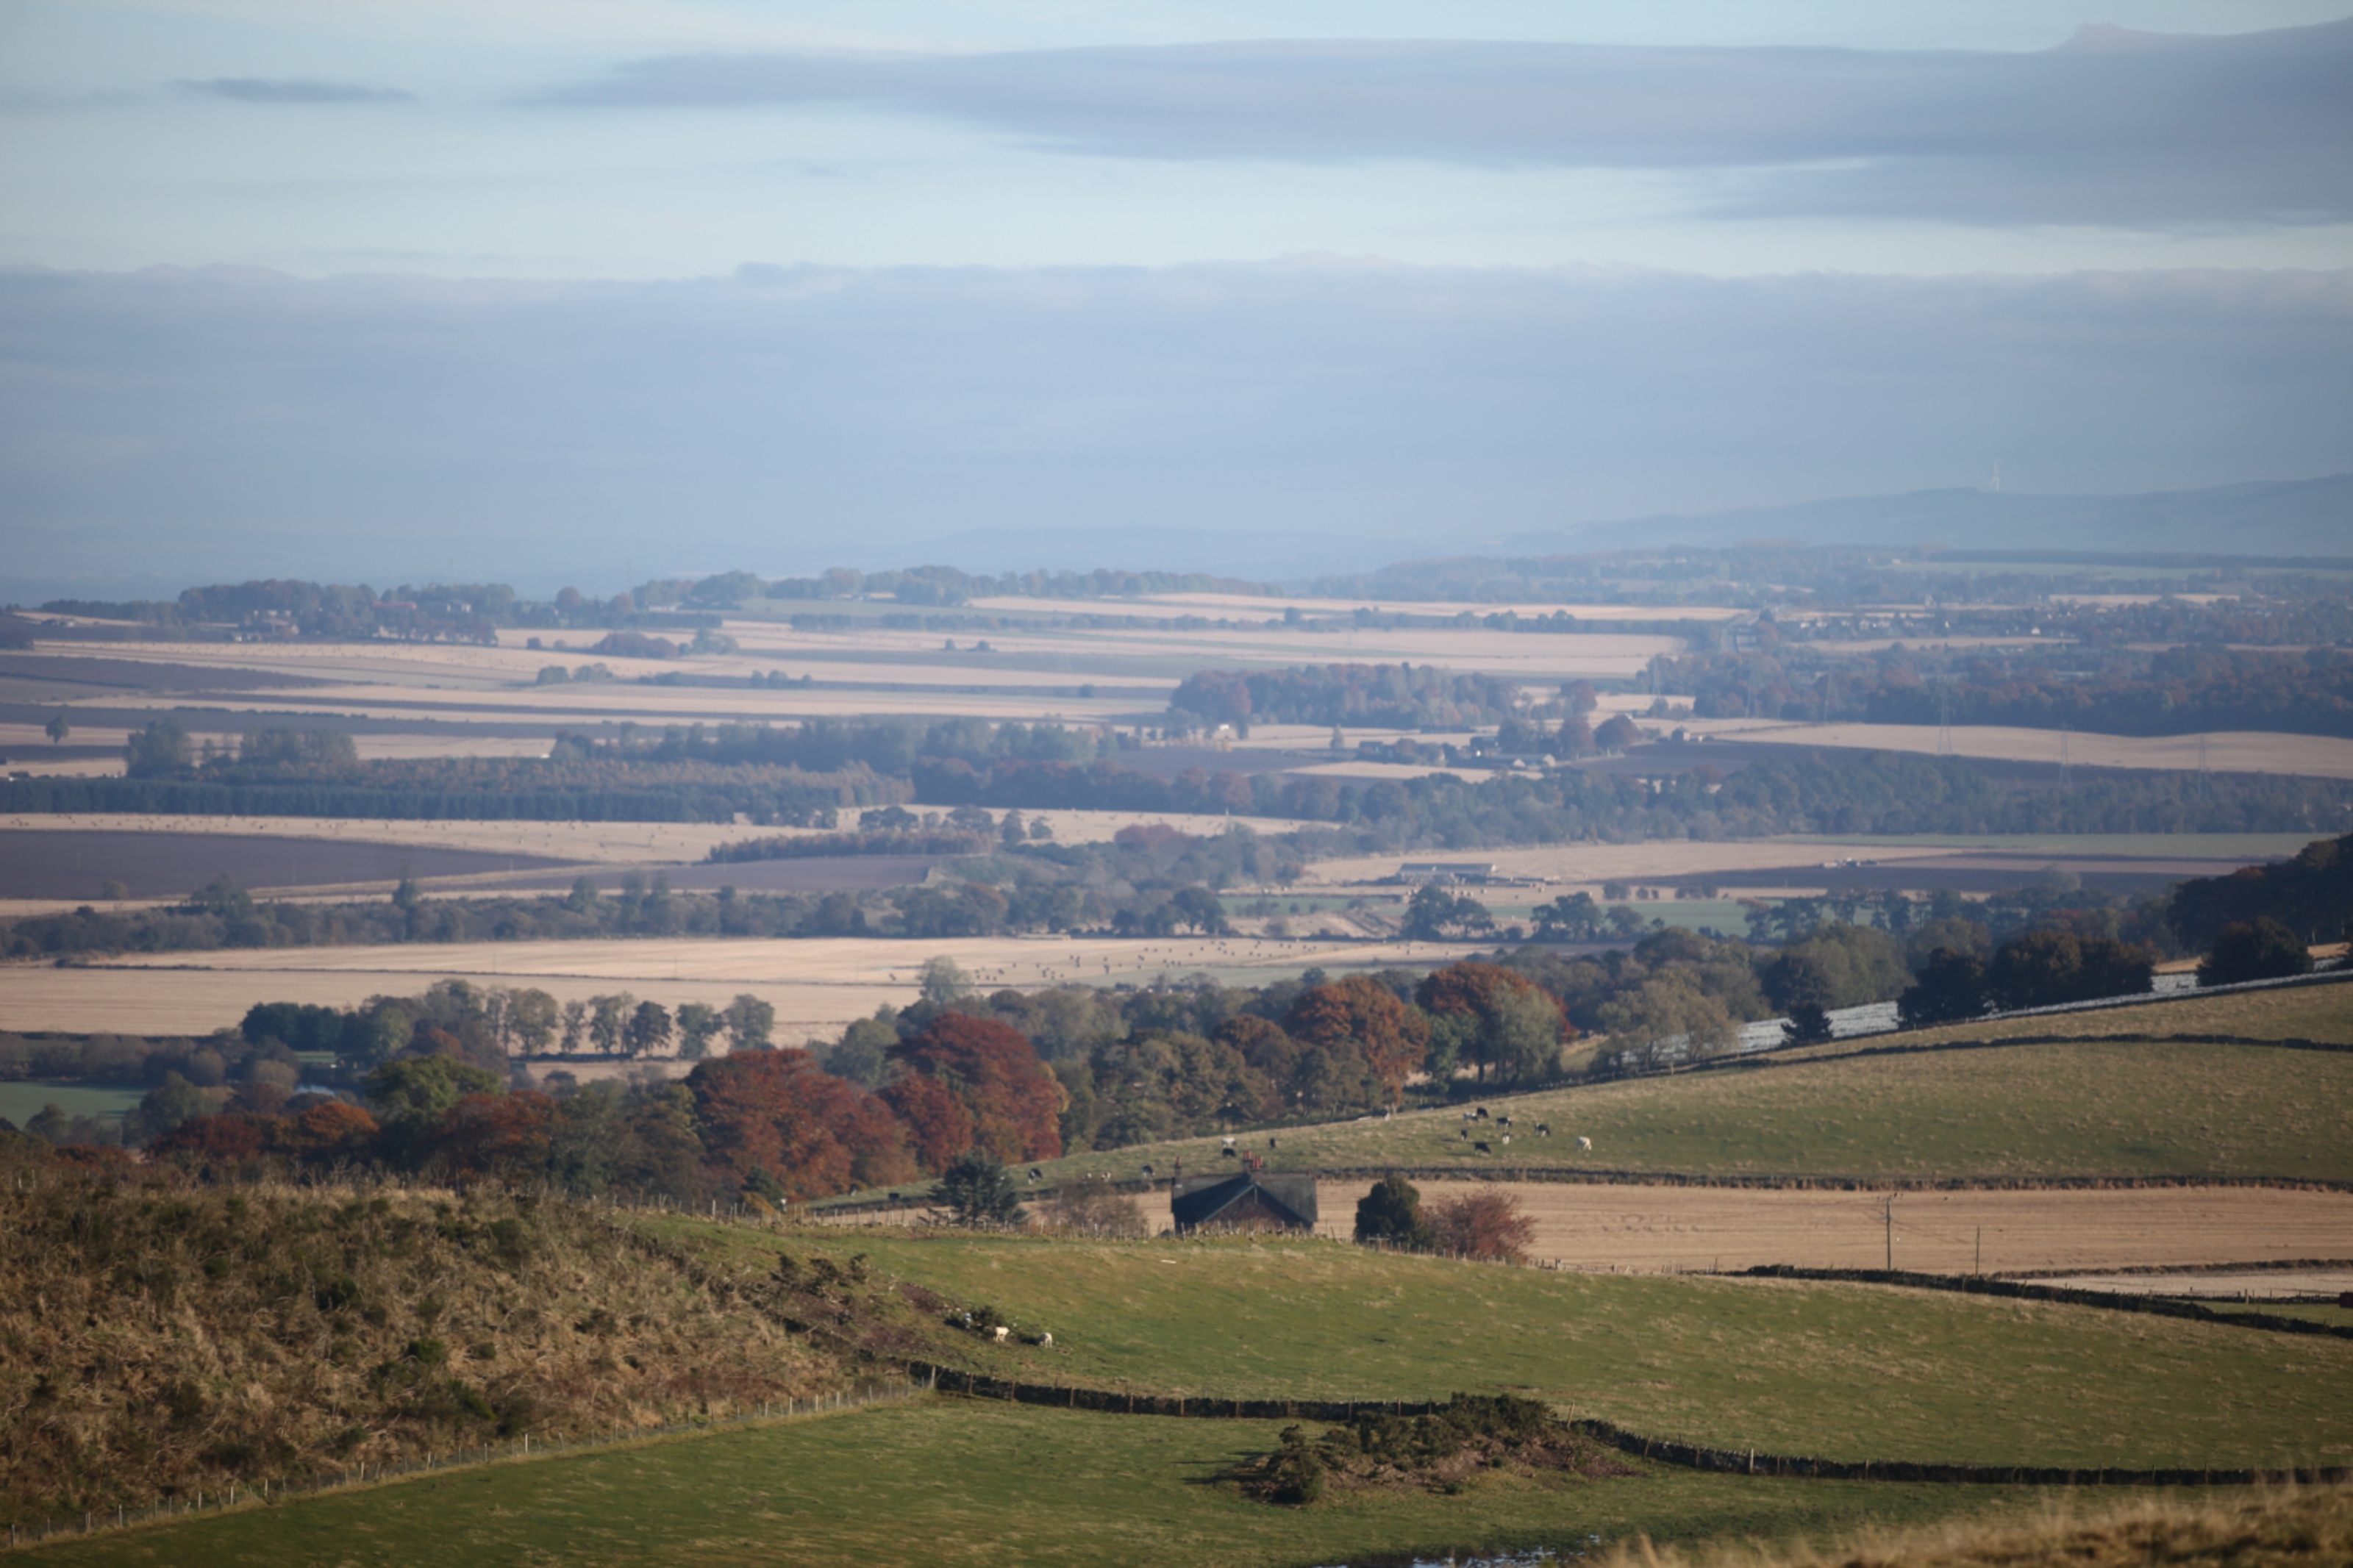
x=976, y=1486
x=1891, y=1107
x=1839, y=1371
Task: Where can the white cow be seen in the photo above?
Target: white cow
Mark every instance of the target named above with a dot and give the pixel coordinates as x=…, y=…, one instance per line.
x=1584, y=1144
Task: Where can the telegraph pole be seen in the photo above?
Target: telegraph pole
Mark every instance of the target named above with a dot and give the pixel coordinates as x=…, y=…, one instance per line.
x=1889, y=1208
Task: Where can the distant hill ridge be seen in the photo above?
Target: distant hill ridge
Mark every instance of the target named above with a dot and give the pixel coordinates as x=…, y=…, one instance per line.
x=2270, y=518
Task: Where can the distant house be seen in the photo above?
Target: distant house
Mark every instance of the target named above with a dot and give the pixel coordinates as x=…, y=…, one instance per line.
x=1251, y=1200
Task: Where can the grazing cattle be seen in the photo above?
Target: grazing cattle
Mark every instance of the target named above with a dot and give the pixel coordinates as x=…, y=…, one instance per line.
x=1507, y=1140
x=1584, y=1143
x=1147, y=1173
x=1503, y=1121
x=1046, y=1339
x=1036, y=1174
x=1228, y=1152
x=1542, y=1130
x=1270, y=1143
x=1482, y=1147
x=1464, y=1134
x=1480, y=1113
x=1002, y=1334
x=1229, y=1142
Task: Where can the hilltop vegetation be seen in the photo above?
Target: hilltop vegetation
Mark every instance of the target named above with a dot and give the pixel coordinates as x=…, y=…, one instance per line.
x=158, y=1337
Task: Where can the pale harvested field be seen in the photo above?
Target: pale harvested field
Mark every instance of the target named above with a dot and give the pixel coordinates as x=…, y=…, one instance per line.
x=1240, y=606
x=818, y=985
x=1588, y=865
x=649, y=844
x=2256, y=1285
x=2229, y=751
x=1674, y=1229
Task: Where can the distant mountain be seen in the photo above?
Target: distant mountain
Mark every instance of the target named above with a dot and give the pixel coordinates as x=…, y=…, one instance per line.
x=2275, y=518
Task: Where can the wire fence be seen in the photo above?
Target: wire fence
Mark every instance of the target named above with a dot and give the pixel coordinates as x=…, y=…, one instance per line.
x=238, y=1495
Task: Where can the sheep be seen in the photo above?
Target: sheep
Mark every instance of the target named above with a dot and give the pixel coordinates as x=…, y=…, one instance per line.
x=1584, y=1144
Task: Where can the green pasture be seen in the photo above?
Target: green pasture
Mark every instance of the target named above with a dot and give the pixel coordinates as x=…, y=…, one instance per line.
x=950, y=1481
x=2323, y=1012
x=1838, y=1370
x=20, y=1101
x=2077, y=1108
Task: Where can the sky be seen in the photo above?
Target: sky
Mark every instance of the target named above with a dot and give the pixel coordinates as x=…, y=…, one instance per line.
x=409, y=287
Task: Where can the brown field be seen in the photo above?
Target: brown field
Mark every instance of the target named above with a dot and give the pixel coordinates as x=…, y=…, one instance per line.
x=2018, y=860
x=818, y=985
x=647, y=843
x=2229, y=751
x=1678, y=1229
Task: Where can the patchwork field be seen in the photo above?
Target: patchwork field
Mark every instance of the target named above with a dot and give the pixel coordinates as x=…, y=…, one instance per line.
x=2229, y=751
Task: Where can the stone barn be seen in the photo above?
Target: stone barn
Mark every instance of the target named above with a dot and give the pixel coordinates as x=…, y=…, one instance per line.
x=1249, y=1200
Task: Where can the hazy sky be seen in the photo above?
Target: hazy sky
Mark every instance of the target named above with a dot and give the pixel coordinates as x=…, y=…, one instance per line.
x=678, y=286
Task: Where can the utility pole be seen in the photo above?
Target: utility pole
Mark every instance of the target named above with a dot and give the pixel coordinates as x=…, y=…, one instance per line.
x=1980, y=1268
x=1889, y=1208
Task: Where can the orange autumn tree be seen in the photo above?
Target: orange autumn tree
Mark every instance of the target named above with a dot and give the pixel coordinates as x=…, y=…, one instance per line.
x=990, y=1069
x=1366, y=1014
x=484, y=1134
x=777, y=1112
x=1514, y=1026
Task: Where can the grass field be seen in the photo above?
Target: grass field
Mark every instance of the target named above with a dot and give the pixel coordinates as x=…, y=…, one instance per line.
x=21, y=1101
x=2092, y=1107
x=1839, y=1371
x=941, y=1482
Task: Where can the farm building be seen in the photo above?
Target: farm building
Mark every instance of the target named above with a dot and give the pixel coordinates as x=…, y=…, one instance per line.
x=1252, y=1200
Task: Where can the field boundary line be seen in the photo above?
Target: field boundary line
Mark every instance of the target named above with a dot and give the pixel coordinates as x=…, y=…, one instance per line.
x=956, y=1382
x=2021, y=1290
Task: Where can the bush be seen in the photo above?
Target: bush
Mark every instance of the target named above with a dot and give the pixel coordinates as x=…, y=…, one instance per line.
x=1489, y=1226
x=1391, y=1215
x=2260, y=949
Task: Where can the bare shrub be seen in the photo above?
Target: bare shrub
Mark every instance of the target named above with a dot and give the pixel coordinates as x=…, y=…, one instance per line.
x=1487, y=1226
x=1092, y=1206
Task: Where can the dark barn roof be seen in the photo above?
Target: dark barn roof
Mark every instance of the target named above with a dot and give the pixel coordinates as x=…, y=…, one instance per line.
x=1257, y=1199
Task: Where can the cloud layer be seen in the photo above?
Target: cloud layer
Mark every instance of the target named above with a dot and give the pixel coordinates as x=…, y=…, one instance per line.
x=267, y=89
x=2133, y=131
x=215, y=423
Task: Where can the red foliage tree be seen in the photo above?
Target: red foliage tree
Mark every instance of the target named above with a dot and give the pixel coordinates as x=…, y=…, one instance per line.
x=1015, y=1103
x=937, y=1123
x=328, y=1130
x=496, y=1134
x=1365, y=1014
x=234, y=1140
x=776, y=1112
x=1481, y=1224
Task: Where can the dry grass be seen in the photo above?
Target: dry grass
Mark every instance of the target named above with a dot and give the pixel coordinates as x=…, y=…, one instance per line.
x=157, y=1340
x=2286, y=1526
